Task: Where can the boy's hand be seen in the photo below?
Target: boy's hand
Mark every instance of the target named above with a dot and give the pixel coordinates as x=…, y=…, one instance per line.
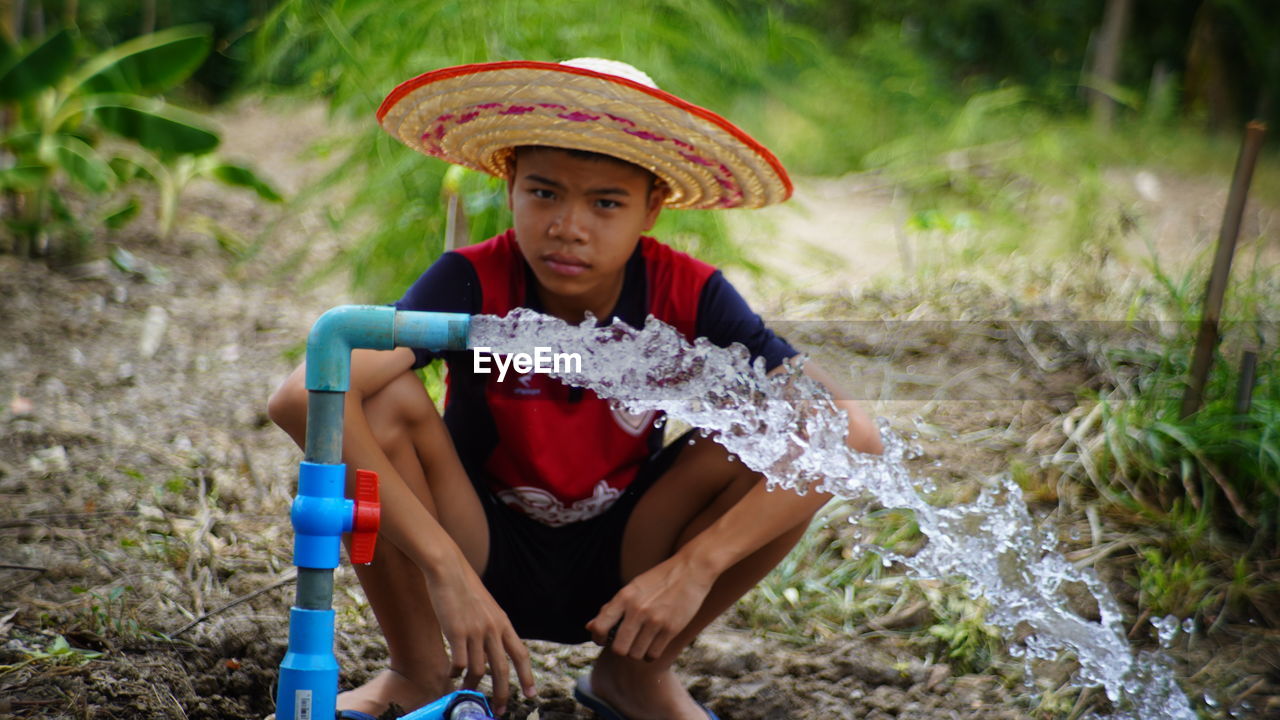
x=479, y=634
x=646, y=615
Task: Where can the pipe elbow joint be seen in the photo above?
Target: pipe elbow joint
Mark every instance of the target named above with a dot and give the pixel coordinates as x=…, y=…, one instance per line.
x=376, y=327
x=334, y=335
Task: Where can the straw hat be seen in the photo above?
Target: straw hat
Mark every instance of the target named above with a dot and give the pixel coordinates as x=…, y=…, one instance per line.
x=473, y=115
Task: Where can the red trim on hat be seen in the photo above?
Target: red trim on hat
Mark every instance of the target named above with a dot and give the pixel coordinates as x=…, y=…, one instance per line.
x=427, y=78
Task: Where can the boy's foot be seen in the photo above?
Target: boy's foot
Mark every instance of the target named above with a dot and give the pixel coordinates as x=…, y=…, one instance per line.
x=641, y=694
x=388, y=686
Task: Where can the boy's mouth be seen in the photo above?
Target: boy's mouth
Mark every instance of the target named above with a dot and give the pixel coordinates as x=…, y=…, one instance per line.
x=565, y=264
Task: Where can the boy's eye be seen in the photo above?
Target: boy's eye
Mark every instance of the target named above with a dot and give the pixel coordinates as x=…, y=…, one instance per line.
x=608, y=204
x=542, y=193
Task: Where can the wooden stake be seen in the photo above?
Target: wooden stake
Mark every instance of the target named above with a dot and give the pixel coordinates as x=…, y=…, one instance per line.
x=1244, y=391
x=1207, y=338
x=1106, y=65
x=456, y=234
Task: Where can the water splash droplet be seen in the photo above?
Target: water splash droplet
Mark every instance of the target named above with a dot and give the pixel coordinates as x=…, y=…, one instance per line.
x=1166, y=629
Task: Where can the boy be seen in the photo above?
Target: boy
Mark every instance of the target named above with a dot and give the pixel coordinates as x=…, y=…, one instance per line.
x=531, y=509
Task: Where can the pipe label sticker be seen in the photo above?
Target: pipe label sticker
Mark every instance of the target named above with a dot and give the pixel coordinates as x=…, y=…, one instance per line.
x=301, y=705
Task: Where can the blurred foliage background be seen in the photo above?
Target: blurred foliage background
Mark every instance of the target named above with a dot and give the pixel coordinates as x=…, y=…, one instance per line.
x=832, y=87
x=994, y=119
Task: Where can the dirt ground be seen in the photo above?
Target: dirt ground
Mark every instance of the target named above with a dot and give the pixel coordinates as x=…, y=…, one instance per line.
x=144, y=543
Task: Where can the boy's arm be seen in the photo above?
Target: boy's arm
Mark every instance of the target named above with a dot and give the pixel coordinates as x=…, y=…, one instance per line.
x=675, y=589
x=477, y=629
x=864, y=436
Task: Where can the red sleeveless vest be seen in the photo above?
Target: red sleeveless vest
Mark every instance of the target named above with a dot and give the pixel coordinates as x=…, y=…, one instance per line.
x=561, y=459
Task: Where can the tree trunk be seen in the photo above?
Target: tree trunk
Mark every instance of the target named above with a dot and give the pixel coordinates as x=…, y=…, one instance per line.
x=36, y=22
x=1209, y=87
x=7, y=25
x=17, y=16
x=1106, y=65
x=11, y=27
x=148, y=17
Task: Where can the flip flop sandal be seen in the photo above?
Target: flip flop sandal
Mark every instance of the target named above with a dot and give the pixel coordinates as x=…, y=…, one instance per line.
x=582, y=693
x=355, y=715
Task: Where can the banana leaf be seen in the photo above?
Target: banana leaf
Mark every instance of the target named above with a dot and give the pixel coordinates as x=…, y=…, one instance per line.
x=129, y=169
x=39, y=69
x=240, y=176
x=24, y=143
x=149, y=64
x=7, y=52
x=121, y=216
x=157, y=127
x=23, y=177
x=83, y=164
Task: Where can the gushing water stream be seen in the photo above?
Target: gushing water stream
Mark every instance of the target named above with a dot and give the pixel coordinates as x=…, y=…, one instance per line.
x=786, y=426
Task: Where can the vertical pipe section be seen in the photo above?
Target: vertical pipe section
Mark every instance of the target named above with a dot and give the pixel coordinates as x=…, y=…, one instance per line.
x=308, y=682
x=325, y=410
x=1207, y=338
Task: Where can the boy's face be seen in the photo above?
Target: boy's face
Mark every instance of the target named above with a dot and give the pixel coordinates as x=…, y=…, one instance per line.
x=577, y=221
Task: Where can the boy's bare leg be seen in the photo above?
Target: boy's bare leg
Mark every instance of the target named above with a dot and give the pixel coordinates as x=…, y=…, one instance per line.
x=700, y=487
x=412, y=677
x=413, y=436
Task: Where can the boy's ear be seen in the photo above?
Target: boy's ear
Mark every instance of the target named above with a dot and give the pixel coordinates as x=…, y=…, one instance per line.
x=510, y=163
x=656, y=198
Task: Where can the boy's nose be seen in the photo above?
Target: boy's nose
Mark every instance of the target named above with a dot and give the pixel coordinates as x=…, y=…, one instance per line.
x=569, y=225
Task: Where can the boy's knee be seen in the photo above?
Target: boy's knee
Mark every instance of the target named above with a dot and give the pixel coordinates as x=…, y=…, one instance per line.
x=403, y=405
x=287, y=407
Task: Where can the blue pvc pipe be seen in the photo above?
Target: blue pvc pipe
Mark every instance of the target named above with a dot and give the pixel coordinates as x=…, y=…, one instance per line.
x=335, y=334
x=324, y=426
x=308, y=688
x=376, y=327
x=308, y=684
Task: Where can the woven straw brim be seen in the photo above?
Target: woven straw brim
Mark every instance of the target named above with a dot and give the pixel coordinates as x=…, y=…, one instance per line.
x=473, y=115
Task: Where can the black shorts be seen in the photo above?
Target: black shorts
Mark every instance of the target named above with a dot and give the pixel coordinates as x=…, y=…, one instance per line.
x=551, y=581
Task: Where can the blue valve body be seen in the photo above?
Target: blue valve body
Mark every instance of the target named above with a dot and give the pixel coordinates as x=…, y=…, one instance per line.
x=320, y=514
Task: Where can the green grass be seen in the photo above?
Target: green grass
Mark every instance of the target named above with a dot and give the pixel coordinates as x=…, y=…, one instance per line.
x=1223, y=463
x=836, y=584
x=828, y=586
x=57, y=652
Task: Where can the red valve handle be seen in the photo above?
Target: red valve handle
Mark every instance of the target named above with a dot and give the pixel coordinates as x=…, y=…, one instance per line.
x=366, y=517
